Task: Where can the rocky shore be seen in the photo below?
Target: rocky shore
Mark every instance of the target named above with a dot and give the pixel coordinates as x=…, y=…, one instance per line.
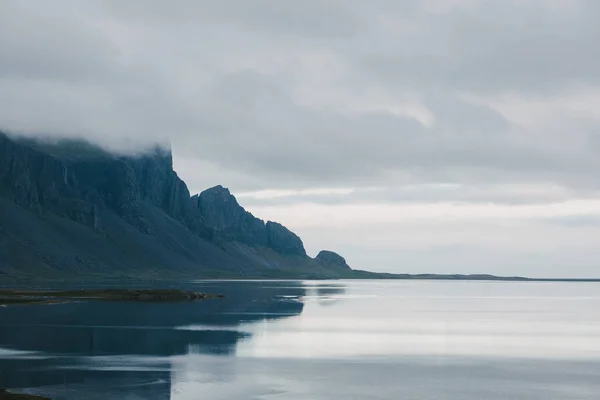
x=4, y=395
x=23, y=297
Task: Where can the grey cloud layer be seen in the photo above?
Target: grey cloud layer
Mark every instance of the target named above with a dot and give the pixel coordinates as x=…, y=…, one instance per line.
x=285, y=92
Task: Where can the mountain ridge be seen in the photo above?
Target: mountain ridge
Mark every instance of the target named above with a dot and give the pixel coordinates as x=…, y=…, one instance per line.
x=72, y=208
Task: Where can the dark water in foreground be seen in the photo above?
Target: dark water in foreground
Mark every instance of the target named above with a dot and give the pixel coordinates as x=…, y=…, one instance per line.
x=315, y=340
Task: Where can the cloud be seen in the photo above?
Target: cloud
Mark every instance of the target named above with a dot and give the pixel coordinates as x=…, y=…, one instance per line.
x=465, y=194
x=489, y=46
x=340, y=102
x=381, y=214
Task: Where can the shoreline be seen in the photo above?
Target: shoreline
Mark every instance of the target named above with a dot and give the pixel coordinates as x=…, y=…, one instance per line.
x=9, y=297
x=6, y=395
x=118, y=282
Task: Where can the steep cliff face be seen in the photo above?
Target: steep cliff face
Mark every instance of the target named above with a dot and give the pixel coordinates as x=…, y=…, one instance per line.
x=162, y=187
x=79, y=182
x=39, y=183
x=73, y=207
x=229, y=220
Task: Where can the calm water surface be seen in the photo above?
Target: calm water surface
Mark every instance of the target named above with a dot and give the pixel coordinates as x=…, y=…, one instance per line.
x=315, y=340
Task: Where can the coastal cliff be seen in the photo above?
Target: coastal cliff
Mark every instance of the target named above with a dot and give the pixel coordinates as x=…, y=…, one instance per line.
x=69, y=208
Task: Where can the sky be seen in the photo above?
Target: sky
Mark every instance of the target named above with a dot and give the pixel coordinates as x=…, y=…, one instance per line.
x=421, y=136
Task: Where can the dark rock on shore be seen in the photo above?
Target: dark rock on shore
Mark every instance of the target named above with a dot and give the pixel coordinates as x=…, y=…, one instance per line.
x=5, y=395
x=13, y=297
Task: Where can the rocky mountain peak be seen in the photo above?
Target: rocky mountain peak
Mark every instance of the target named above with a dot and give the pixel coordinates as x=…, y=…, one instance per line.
x=223, y=213
x=331, y=259
x=231, y=221
x=217, y=190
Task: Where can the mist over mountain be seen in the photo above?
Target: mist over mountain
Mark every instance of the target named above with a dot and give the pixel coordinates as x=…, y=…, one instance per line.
x=70, y=208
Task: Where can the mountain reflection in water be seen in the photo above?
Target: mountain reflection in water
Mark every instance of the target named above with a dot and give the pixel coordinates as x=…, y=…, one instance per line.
x=130, y=344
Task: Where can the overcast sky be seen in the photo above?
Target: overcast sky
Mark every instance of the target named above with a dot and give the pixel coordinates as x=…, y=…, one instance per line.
x=447, y=136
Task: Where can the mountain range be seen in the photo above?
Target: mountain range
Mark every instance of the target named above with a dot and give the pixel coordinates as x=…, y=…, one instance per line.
x=71, y=209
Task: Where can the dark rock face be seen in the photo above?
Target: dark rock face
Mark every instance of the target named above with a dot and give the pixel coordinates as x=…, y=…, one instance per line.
x=229, y=220
x=41, y=178
x=161, y=186
x=39, y=182
x=284, y=241
x=330, y=259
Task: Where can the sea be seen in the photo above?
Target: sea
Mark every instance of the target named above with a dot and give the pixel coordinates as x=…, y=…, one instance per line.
x=314, y=340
